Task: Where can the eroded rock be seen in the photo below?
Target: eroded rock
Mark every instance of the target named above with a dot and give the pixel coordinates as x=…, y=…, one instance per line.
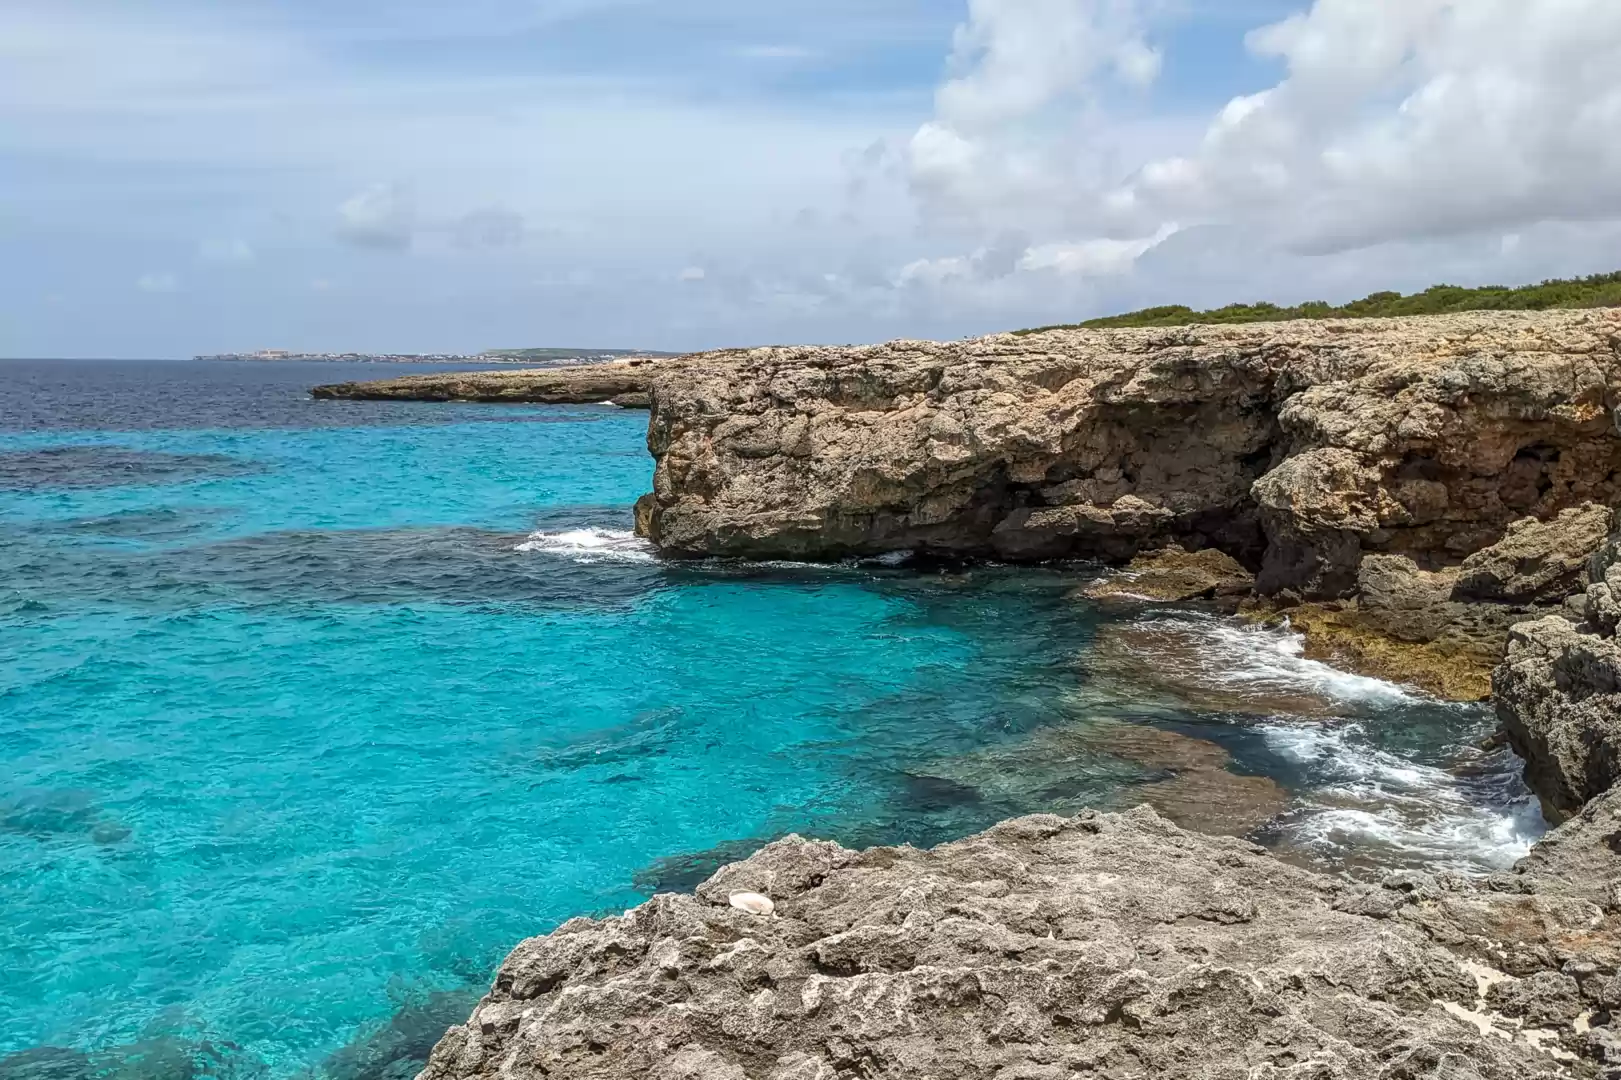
x=1559, y=692
x=1445, y=630
x=1298, y=447
x=1101, y=945
x=1173, y=575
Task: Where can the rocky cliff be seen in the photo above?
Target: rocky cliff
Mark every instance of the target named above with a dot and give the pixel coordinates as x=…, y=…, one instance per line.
x=1109, y=946
x=1297, y=448
x=1558, y=692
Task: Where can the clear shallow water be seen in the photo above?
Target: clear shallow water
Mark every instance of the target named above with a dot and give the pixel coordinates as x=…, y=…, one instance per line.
x=310, y=711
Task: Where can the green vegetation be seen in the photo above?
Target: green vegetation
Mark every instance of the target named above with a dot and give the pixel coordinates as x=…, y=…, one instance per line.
x=1600, y=290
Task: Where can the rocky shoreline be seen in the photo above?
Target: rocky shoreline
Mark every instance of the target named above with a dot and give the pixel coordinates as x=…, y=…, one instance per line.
x=1428, y=499
x=626, y=383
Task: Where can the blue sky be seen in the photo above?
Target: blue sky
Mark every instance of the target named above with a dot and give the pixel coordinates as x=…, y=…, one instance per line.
x=181, y=176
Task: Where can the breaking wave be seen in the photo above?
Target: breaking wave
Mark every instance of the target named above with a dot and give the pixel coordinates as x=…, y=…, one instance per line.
x=591, y=545
x=1365, y=803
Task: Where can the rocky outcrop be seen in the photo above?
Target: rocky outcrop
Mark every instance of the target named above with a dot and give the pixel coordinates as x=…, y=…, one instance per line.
x=626, y=383
x=1176, y=576
x=1297, y=448
x=1102, y=945
x=1558, y=693
x=1445, y=630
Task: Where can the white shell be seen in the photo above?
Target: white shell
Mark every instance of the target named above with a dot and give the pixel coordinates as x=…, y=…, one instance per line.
x=753, y=903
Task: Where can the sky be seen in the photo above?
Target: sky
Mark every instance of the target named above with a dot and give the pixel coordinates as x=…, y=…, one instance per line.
x=188, y=176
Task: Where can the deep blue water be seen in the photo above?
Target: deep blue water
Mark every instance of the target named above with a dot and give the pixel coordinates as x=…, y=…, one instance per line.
x=309, y=711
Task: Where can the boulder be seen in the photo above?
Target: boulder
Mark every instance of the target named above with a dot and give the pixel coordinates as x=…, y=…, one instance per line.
x=1176, y=576
x=1446, y=630
x=1537, y=562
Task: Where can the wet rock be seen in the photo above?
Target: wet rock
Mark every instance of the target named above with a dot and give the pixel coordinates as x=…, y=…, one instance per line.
x=1445, y=630
x=1583, y=856
x=1184, y=665
x=1120, y=764
x=1176, y=576
x=1216, y=801
x=1108, y=945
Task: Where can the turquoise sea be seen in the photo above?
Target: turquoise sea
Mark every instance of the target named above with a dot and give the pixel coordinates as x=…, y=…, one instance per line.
x=309, y=711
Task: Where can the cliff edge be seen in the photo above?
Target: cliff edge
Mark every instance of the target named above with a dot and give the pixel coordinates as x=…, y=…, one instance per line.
x=1297, y=448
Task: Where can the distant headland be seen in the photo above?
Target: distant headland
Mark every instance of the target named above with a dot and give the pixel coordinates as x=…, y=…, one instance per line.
x=528, y=357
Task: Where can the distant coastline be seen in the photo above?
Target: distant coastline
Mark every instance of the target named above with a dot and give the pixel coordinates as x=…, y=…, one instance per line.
x=543, y=357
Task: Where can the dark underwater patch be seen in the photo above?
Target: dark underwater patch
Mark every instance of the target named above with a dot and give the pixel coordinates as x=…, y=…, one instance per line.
x=399, y=1049
x=153, y=526
x=456, y=566
x=59, y=813
x=162, y=1057
x=686, y=871
x=76, y=467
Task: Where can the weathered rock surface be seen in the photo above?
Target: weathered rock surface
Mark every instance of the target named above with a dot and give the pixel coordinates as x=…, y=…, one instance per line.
x=1558, y=694
x=1297, y=448
x=1114, y=946
x=1176, y=576
x=1446, y=630
x=625, y=383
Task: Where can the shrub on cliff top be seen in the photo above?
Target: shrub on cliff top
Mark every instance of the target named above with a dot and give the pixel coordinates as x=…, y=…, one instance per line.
x=1599, y=290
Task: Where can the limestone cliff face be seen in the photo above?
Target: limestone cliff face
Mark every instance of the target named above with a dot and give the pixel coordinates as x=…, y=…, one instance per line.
x=1296, y=447
x=1558, y=693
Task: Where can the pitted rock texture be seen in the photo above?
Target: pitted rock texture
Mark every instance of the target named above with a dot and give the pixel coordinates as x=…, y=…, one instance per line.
x=1108, y=946
x=1445, y=630
x=1295, y=447
x=1558, y=693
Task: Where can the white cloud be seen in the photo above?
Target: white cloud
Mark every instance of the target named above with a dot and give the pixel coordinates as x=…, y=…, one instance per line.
x=158, y=282
x=1401, y=118
x=1094, y=258
x=225, y=252
x=692, y=273
x=382, y=216
x=776, y=52
x=491, y=227
x=1017, y=57
x=1472, y=122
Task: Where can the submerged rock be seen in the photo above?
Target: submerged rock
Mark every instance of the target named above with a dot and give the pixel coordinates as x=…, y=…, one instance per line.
x=1092, y=763
x=1174, y=575
x=1101, y=945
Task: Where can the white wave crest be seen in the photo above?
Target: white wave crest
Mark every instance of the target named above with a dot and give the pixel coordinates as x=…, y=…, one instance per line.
x=1364, y=797
x=591, y=545
x=1264, y=660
